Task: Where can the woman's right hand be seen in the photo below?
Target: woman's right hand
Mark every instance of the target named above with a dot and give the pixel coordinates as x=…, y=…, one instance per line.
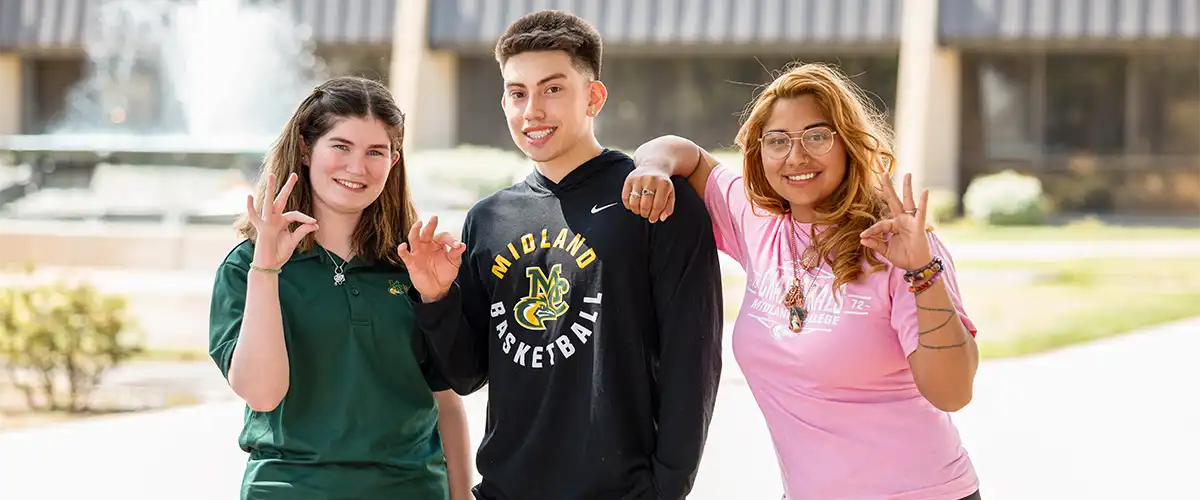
x=648, y=192
x=276, y=242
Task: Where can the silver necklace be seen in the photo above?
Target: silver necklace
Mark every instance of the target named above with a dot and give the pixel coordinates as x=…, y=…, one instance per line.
x=339, y=276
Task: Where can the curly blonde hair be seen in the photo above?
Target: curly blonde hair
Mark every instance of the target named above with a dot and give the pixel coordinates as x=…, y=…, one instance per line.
x=857, y=203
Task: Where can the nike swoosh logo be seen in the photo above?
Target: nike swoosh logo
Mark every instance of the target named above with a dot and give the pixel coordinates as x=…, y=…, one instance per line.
x=596, y=209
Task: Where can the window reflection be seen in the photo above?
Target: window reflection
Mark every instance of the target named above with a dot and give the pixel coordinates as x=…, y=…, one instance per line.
x=1168, y=104
x=1005, y=90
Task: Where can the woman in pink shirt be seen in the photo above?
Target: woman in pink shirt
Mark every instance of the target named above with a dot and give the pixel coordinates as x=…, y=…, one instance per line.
x=852, y=335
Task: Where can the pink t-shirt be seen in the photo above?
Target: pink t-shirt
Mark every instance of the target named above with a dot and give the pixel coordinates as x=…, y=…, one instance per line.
x=845, y=416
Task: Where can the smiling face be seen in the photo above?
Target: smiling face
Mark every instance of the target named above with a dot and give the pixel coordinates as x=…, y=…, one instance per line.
x=549, y=104
x=349, y=165
x=803, y=157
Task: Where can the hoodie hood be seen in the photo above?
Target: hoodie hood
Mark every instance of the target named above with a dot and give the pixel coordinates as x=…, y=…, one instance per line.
x=608, y=157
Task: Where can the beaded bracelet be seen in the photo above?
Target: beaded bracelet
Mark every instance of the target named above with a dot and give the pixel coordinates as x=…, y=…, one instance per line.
x=925, y=272
x=917, y=289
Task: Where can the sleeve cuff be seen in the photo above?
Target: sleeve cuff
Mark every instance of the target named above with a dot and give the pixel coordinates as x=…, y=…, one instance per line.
x=435, y=308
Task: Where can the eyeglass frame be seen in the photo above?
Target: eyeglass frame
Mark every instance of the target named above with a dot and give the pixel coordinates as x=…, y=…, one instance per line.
x=792, y=143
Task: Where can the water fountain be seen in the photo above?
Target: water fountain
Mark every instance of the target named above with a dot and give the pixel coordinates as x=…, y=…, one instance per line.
x=175, y=85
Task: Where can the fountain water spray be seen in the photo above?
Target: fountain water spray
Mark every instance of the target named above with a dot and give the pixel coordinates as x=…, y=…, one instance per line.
x=209, y=70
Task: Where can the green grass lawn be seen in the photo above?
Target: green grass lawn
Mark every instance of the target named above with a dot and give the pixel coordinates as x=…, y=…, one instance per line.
x=1078, y=301
x=1061, y=303
x=1085, y=231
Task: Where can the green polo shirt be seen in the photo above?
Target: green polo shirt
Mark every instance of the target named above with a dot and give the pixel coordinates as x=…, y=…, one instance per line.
x=359, y=420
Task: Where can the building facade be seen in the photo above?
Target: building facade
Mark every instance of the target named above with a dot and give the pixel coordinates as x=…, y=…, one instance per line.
x=1098, y=98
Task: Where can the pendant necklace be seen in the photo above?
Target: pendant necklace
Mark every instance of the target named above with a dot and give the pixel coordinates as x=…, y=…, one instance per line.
x=794, y=299
x=339, y=276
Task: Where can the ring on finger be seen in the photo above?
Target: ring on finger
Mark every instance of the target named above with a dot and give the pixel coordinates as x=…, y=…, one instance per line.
x=911, y=211
x=647, y=192
x=634, y=194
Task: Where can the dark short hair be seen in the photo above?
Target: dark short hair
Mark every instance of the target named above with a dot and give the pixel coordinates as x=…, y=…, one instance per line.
x=549, y=30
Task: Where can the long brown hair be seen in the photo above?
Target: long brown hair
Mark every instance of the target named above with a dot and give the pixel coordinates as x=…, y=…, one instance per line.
x=385, y=222
x=857, y=203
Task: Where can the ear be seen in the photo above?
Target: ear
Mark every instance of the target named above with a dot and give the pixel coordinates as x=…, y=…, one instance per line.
x=597, y=96
x=395, y=157
x=304, y=151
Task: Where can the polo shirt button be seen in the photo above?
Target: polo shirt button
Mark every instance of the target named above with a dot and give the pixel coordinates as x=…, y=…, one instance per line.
x=354, y=291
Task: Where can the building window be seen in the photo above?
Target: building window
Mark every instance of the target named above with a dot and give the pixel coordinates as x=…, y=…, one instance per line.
x=1085, y=104
x=1167, y=106
x=701, y=98
x=1007, y=100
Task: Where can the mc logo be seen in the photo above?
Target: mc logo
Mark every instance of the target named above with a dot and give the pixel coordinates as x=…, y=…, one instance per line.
x=545, y=300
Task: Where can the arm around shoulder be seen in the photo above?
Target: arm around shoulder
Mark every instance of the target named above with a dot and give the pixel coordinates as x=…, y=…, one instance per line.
x=677, y=156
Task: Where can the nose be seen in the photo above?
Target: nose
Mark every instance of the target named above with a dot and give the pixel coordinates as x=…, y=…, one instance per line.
x=798, y=155
x=533, y=109
x=356, y=164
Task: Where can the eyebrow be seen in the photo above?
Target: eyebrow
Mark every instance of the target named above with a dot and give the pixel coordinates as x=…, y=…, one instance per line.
x=541, y=82
x=812, y=126
x=348, y=143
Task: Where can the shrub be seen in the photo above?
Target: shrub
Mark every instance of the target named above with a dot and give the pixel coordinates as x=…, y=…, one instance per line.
x=943, y=206
x=58, y=342
x=1006, y=198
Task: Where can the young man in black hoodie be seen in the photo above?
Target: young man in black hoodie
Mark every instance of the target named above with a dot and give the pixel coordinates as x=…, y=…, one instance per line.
x=599, y=332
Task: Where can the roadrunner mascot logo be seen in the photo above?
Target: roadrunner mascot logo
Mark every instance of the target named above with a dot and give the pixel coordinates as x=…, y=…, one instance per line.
x=545, y=301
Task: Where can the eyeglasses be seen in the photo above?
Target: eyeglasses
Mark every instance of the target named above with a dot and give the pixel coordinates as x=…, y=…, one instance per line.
x=817, y=141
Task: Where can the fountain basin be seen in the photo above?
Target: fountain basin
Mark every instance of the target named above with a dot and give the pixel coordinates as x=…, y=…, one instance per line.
x=244, y=153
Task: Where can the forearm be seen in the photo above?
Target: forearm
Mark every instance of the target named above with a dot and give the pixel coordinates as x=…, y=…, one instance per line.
x=456, y=442
x=459, y=351
x=947, y=356
x=258, y=370
x=688, y=394
x=688, y=298
x=677, y=154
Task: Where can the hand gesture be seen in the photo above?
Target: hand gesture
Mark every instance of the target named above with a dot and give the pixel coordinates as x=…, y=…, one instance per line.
x=901, y=239
x=648, y=192
x=432, y=260
x=275, y=241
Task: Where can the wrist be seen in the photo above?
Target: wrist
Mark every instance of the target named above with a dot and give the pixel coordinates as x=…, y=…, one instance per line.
x=426, y=299
x=656, y=165
x=265, y=262
x=434, y=295
x=264, y=269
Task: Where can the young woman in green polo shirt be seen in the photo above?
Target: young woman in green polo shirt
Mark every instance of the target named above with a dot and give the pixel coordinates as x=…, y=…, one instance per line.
x=309, y=322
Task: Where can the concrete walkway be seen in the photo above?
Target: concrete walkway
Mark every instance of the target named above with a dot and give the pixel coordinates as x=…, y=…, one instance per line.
x=1116, y=419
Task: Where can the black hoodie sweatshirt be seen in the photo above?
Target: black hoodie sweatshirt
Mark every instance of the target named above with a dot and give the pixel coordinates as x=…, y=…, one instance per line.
x=599, y=333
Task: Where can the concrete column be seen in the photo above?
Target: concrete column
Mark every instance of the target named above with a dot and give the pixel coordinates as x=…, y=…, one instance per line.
x=10, y=94
x=915, y=93
x=942, y=124
x=424, y=82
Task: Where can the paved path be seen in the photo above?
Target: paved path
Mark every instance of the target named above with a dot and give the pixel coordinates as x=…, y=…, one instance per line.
x=1115, y=419
x=1111, y=420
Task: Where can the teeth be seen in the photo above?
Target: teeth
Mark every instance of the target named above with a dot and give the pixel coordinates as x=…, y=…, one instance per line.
x=802, y=177
x=538, y=134
x=351, y=185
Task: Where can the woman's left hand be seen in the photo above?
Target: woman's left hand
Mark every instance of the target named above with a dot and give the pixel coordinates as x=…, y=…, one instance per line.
x=901, y=239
